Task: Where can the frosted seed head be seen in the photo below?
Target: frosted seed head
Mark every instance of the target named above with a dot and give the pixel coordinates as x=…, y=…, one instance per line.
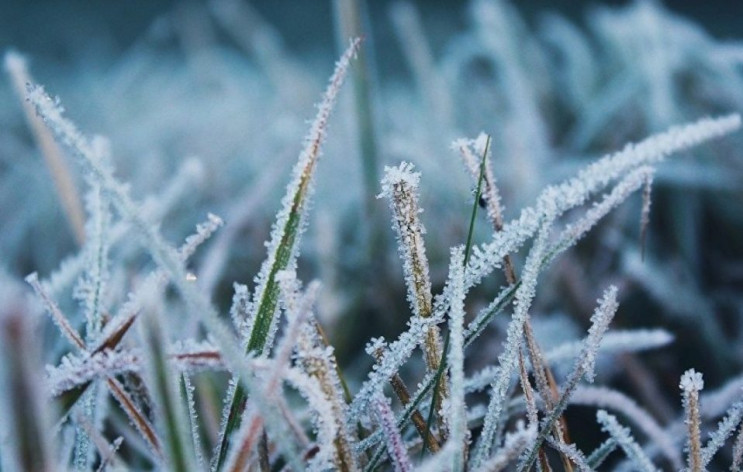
x=691, y=381
x=375, y=345
x=399, y=175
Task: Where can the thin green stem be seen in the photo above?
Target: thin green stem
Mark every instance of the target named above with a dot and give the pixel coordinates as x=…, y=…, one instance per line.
x=468, y=248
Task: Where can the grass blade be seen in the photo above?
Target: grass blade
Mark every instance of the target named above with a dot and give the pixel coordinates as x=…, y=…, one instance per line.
x=284, y=241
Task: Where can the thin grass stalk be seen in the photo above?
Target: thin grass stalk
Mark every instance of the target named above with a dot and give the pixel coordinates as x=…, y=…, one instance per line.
x=625, y=440
x=602, y=397
x=691, y=384
x=515, y=332
x=645, y=215
x=491, y=199
x=163, y=254
x=472, y=333
x=138, y=419
x=188, y=390
x=395, y=444
x=69, y=197
x=285, y=236
x=400, y=186
x=513, y=447
x=738, y=450
x=599, y=455
x=558, y=199
x=168, y=403
x=403, y=394
x=457, y=406
x=318, y=361
x=584, y=367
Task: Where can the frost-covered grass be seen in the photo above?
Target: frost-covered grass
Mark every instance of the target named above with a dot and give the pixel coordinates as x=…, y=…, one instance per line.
x=483, y=334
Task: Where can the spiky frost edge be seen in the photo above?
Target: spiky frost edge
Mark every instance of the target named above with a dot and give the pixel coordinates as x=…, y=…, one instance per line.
x=298, y=307
x=171, y=416
x=456, y=404
x=583, y=368
x=193, y=418
x=472, y=162
x=92, y=284
x=488, y=256
x=572, y=453
x=603, y=397
x=152, y=209
x=395, y=444
x=400, y=187
x=513, y=445
x=164, y=255
x=507, y=360
x=630, y=340
x=691, y=384
x=318, y=361
x=738, y=451
x=282, y=248
x=53, y=309
x=622, y=435
x=725, y=428
x=294, y=203
x=599, y=455
x=325, y=421
x=593, y=178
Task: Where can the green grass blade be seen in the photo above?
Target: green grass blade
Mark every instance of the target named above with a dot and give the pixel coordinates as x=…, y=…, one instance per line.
x=284, y=241
x=468, y=248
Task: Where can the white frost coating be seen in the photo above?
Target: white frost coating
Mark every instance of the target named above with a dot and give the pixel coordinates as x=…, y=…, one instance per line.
x=77, y=370
x=194, y=422
x=724, y=429
x=584, y=367
x=395, y=444
x=507, y=360
x=92, y=285
x=590, y=180
x=53, y=309
x=691, y=384
x=626, y=186
x=400, y=186
x=599, y=324
x=514, y=444
x=485, y=258
x=457, y=406
x=203, y=232
x=317, y=360
x=472, y=152
x=153, y=209
x=164, y=255
x=298, y=192
x=375, y=345
x=572, y=452
x=240, y=311
x=324, y=418
x=632, y=340
x=691, y=381
x=625, y=440
x=603, y=397
x=395, y=355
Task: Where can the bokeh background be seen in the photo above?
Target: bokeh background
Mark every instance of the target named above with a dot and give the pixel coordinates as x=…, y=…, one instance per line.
x=209, y=101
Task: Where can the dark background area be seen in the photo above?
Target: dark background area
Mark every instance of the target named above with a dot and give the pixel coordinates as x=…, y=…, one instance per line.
x=72, y=32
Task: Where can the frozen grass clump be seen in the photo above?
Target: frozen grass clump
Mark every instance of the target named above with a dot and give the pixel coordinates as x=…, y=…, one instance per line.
x=197, y=356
